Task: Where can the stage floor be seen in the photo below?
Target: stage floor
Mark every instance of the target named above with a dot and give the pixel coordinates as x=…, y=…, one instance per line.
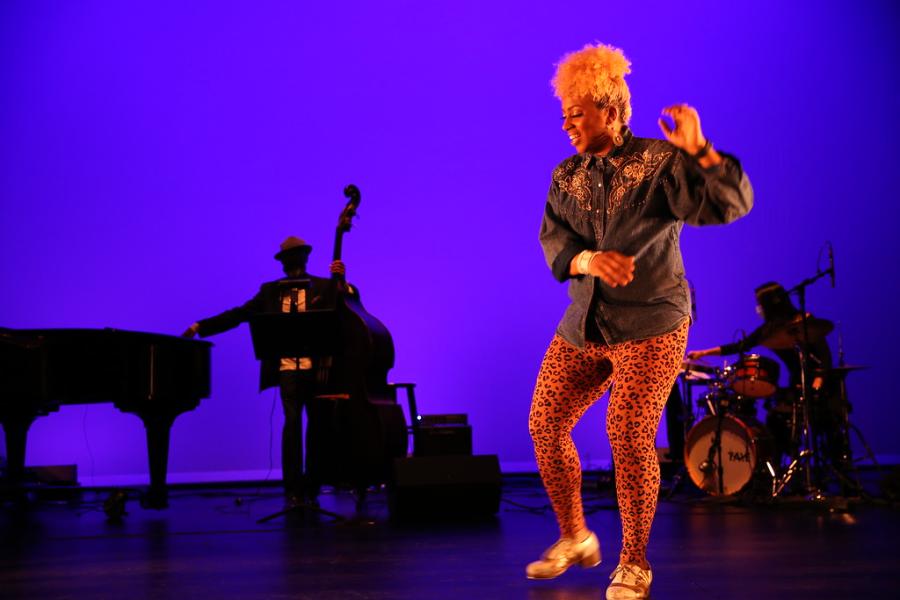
x=207, y=544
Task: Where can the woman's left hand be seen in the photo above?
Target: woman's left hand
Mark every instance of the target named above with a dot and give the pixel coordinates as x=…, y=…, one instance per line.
x=685, y=130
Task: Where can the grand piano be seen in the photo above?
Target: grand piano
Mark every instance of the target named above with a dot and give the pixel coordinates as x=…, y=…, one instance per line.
x=156, y=377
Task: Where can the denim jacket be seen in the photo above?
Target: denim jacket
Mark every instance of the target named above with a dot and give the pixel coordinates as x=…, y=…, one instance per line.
x=635, y=200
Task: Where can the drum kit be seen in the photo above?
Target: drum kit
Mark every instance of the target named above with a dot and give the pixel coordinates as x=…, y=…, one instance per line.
x=725, y=447
x=728, y=450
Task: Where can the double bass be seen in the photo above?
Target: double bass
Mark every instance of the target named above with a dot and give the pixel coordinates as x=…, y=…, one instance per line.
x=367, y=429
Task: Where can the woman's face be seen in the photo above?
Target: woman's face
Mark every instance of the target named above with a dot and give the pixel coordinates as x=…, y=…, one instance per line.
x=586, y=125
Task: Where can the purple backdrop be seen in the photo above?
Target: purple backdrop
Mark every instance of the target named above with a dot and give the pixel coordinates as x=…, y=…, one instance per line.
x=153, y=158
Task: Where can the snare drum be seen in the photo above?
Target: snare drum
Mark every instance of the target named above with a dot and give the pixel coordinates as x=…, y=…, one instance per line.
x=754, y=376
x=746, y=446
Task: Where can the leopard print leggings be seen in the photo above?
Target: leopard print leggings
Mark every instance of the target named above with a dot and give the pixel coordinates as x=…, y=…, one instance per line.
x=571, y=379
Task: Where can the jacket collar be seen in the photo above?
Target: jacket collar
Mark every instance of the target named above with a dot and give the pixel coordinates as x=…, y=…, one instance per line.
x=627, y=136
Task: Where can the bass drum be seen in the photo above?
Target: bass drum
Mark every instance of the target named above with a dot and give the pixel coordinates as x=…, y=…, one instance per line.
x=746, y=446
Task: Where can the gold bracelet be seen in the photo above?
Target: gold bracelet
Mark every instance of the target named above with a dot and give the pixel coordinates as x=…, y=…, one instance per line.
x=584, y=262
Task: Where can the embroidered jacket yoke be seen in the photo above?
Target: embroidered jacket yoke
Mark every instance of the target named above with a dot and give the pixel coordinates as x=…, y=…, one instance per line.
x=635, y=201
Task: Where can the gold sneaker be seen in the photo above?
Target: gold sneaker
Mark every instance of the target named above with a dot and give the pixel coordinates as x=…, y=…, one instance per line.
x=629, y=582
x=562, y=555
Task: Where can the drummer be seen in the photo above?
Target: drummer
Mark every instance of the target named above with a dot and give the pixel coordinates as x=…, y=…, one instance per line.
x=775, y=307
x=780, y=315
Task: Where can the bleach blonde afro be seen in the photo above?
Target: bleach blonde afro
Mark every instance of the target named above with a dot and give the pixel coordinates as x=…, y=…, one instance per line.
x=596, y=71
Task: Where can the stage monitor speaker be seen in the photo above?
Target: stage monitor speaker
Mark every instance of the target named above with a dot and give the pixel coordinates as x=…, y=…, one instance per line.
x=442, y=440
x=438, y=488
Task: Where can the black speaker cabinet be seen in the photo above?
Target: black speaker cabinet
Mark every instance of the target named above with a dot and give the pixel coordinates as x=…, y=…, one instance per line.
x=445, y=487
x=441, y=440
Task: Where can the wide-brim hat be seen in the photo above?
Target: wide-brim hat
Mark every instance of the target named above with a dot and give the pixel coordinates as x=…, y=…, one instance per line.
x=775, y=301
x=292, y=244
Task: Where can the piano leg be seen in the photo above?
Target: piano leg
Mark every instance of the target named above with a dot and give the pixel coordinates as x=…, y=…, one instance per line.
x=158, y=428
x=16, y=429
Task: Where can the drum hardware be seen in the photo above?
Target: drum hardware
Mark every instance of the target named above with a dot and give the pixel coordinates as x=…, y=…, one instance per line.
x=718, y=399
x=710, y=407
x=685, y=381
x=847, y=427
x=778, y=484
x=774, y=477
x=824, y=442
x=798, y=333
x=723, y=396
x=713, y=460
x=693, y=373
x=726, y=449
x=842, y=370
x=807, y=440
x=810, y=445
x=696, y=370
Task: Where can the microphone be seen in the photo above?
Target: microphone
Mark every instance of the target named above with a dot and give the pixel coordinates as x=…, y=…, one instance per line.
x=707, y=467
x=831, y=262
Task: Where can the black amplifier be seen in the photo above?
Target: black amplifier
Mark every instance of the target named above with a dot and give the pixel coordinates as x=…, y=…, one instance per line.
x=442, y=435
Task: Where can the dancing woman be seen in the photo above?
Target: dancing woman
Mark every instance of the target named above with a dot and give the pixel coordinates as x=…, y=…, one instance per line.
x=611, y=228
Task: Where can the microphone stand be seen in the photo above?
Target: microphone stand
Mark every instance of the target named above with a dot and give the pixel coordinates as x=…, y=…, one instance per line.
x=714, y=456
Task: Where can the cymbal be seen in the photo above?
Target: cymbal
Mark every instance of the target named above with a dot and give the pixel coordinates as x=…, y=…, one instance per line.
x=698, y=376
x=849, y=368
x=695, y=366
x=780, y=336
x=698, y=370
x=695, y=370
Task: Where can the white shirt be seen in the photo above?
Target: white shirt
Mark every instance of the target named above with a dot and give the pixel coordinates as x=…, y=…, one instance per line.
x=295, y=364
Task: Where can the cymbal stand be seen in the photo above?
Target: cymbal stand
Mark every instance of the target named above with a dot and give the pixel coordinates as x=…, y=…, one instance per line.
x=809, y=435
x=849, y=480
x=306, y=508
x=806, y=442
x=807, y=455
x=845, y=414
x=869, y=454
x=778, y=485
x=845, y=402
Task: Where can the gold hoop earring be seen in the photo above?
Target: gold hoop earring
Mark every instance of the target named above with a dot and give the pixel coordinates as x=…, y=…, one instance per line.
x=616, y=136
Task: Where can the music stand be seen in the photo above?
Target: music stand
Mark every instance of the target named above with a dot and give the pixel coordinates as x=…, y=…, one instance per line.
x=313, y=334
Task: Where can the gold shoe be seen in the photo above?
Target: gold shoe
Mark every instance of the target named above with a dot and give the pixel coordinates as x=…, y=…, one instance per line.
x=562, y=555
x=629, y=582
